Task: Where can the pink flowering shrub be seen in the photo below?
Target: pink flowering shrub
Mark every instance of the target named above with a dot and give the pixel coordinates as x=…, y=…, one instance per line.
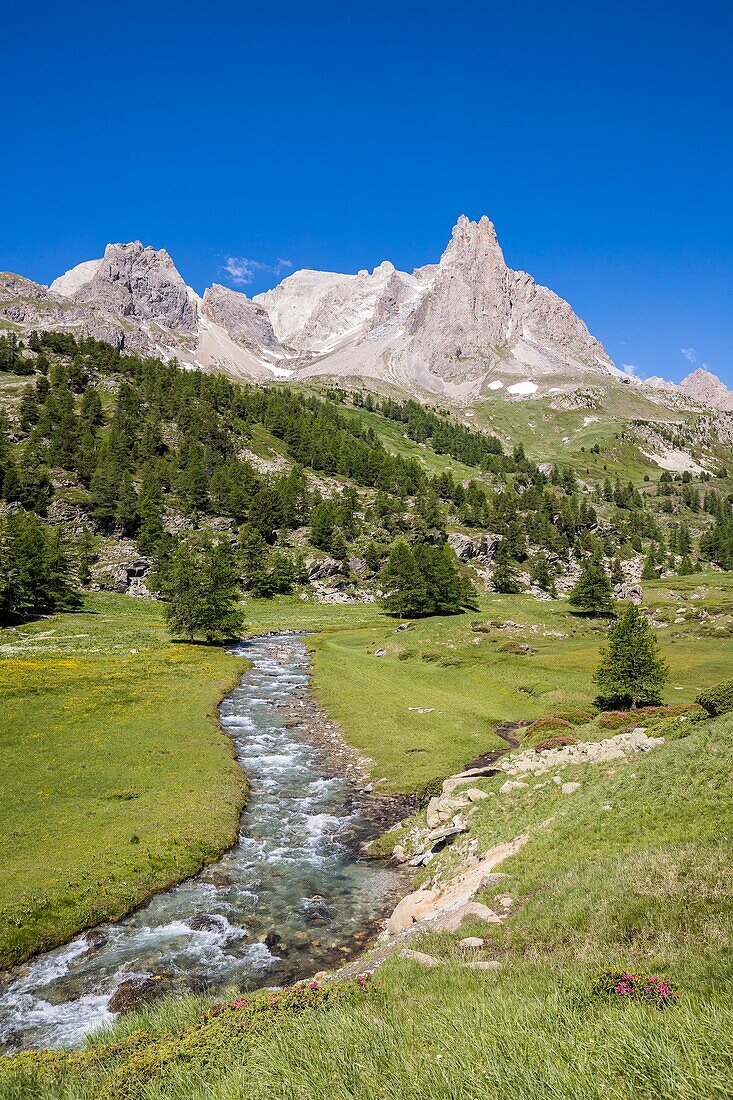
x=291, y=1000
x=615, y=985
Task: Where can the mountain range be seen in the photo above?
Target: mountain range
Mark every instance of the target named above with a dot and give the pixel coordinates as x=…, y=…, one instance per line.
x=463, y=327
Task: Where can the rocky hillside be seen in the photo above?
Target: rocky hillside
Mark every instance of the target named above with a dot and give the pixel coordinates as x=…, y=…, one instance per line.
x=465, y=327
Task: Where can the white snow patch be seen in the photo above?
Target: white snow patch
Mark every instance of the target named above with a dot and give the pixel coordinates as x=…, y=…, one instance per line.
x=496, y=385
x=523, y=389
x=77, y=277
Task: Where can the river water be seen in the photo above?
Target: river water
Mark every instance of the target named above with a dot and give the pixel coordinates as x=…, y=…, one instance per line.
x=293, y=896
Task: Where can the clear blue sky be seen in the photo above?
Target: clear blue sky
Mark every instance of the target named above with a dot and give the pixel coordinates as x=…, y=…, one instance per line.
x=598, y=138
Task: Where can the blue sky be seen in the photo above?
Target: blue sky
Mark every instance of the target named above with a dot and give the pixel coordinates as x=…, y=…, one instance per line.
x=597, y=137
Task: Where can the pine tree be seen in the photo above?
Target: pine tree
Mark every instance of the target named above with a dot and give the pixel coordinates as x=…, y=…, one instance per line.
x=593, y=595
x=541, y=574
x=447, y=589
x=504, y=576
x=617, y=573
x=685, y=567
x=631, y=671
x=35, y=569
x=403, y=586
x=253, y=556
x=202, y=591
x=649, y=572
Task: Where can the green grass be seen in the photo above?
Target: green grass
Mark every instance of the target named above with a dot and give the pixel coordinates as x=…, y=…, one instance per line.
x=470, y=685
x=391, y=434
x=116, y=779
x=631, y=871
x=557, y=435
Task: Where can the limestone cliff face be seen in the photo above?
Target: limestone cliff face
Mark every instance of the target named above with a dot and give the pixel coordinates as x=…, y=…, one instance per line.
x=33, y=306
x=244, y=320
x=142, y=284
x=479, y=309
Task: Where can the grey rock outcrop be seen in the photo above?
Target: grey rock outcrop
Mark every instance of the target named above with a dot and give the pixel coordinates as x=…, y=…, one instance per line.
x=136, y=282
x=462, y=327
x=244, y=320
x=480, y=547
x=478, y=312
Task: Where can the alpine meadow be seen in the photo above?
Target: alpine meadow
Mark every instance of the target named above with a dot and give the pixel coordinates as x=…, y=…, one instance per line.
x=366, y=624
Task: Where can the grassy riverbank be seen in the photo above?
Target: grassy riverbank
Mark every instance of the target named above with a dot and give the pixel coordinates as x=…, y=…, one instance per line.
x=116, y=779
x=432, y=701
x=118, y=782
x=631, y=871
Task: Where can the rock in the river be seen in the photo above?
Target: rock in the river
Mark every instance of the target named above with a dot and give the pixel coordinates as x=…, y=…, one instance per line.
x=135, y=992
x=207, y=922
x=95, y=939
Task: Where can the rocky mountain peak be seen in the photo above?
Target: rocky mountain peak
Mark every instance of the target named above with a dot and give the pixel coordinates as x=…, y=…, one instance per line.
x=133, y=281
x=708, y=389
x=473, y=241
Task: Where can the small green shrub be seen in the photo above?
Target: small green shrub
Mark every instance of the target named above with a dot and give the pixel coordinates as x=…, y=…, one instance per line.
x=431, y=789
x=575, y=717
x=543, y=725
x=555, y=742
x=615, y=985
x=672, y=727
x=717, y=700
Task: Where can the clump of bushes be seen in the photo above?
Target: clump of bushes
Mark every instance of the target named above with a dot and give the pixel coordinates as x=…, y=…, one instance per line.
x=649, y=716
x=575, y=717
x=614, y=985
x=615, y=720
x=432, y=788
x=555, y=742
x=672, y=728
x=717, y=700
x=543, y=725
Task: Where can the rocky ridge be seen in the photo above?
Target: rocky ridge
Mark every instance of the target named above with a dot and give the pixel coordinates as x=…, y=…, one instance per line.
x=463, y=327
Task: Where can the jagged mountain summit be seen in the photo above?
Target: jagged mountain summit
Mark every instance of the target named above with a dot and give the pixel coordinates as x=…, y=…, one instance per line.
x=708, y=389
x=463, y=327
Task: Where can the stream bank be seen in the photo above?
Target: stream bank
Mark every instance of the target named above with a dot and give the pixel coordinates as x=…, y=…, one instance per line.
x=293, y=896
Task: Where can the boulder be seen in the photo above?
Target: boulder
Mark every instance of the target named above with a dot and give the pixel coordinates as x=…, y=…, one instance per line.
x=511, y=785
x=419, y=957
x=473, y=794
x=466, y=548
x=570, y=788
x=135, y=992
x=321, y=568
x=471, y=942
x=431, y=814
x=628, y=591
x=475, y=909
